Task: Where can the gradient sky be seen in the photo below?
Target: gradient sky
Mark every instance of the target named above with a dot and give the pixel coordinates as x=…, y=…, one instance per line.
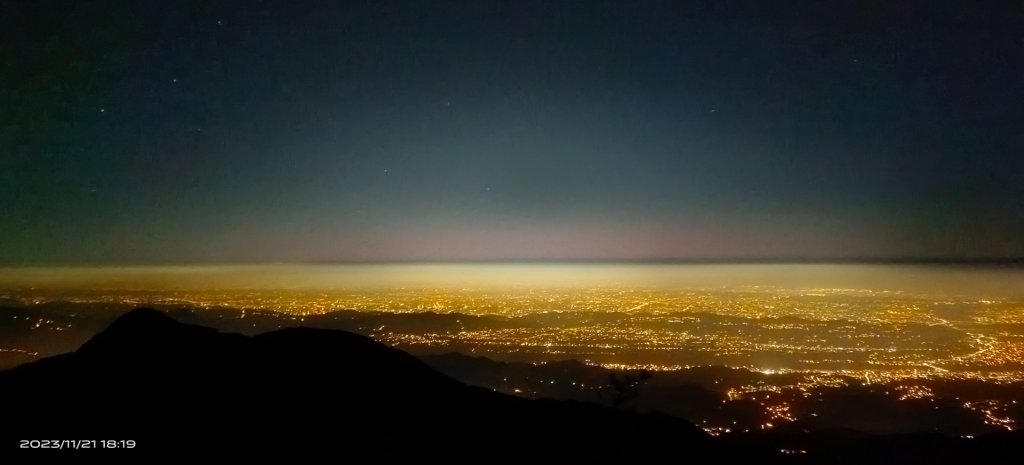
x=253, y=131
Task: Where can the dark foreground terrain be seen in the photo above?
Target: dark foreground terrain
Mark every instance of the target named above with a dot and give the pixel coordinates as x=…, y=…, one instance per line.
x=177, y=389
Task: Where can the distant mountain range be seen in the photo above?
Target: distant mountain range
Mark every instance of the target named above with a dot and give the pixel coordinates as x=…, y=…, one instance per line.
x=177, y=388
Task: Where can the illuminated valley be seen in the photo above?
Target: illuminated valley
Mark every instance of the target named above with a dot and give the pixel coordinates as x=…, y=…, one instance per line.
x=794, y=346
x=826, y=331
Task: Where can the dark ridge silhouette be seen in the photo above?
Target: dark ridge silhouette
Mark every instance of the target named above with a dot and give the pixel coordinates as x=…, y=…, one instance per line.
x=172, y=386
x=185, y=389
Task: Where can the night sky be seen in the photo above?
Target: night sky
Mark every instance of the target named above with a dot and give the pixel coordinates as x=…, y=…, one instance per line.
x=247, y=131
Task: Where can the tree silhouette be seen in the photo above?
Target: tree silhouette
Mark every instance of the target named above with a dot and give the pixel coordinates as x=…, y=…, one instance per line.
x=626, y=387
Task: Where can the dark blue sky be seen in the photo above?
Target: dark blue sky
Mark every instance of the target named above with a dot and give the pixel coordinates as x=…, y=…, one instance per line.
x=247, y=131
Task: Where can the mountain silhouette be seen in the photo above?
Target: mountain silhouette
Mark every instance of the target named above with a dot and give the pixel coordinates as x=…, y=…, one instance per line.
x=172, y=386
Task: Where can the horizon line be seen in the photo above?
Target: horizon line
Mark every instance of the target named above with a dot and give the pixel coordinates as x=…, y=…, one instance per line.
x=909, y=260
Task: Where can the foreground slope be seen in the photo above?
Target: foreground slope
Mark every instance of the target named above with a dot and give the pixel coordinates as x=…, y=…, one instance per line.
x=171, y=385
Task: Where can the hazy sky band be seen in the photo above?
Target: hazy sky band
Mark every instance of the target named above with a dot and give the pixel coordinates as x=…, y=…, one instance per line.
x=931, y=281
